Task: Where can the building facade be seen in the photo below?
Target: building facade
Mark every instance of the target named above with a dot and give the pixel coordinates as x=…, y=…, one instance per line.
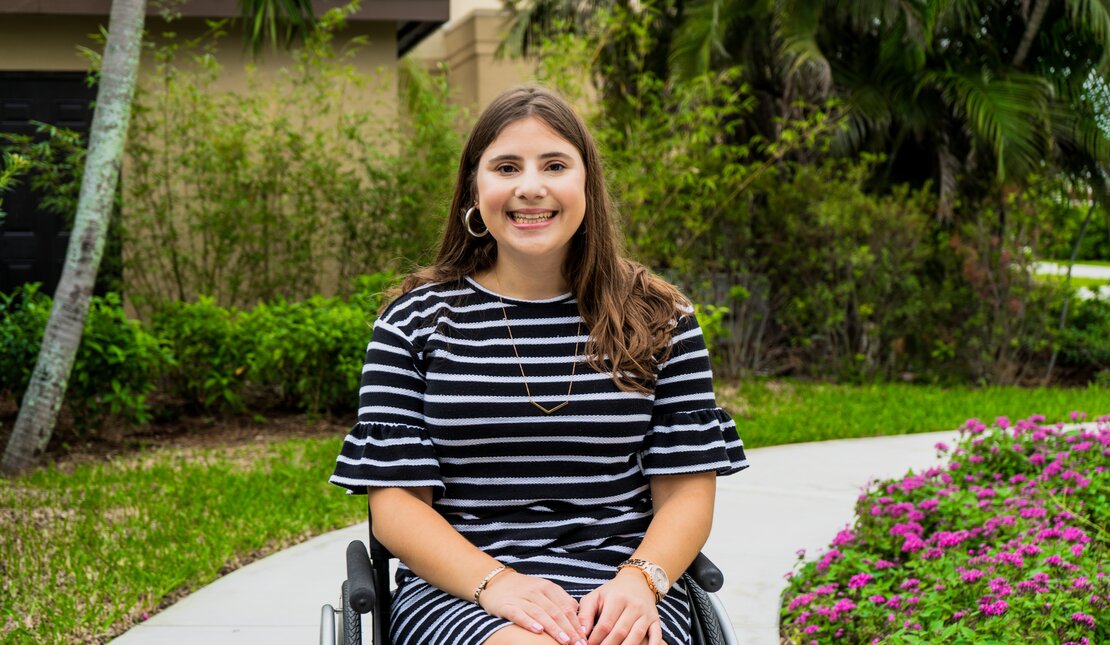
x=43, y=79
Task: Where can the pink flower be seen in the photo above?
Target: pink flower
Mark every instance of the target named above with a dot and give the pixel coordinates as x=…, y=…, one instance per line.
x=912, y=543
x=1077, y=416
x=811, y=629
x=1073, y=534
x=928, y=505
x=860, y=580
x=972, y=575
x=1086, y=619
x=801, y=601
x=832, y=555
x=1000, y=587
x=1002, y=422
x=948, y=539
x=996, y=608
x=883, y=564
x=911, y=583
x=877, y=599
x=941, y=447
x=843, y=537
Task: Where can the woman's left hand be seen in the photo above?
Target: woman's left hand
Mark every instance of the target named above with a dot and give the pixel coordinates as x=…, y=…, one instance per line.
x=621, y=612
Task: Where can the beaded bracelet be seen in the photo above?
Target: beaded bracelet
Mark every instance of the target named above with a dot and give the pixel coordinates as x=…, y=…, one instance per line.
x=485, y=581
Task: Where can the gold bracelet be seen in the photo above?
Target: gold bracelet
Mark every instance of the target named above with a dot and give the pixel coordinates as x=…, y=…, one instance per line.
x=485, y=581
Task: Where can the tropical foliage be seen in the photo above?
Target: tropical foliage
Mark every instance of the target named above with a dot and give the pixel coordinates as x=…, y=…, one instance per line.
x=970, y=96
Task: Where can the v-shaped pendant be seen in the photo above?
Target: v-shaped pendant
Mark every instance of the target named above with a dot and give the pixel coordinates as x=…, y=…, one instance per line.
x=549, y=411
x=523, y=377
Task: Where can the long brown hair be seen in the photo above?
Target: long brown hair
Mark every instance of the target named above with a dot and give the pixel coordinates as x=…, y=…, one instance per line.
x=629, y=311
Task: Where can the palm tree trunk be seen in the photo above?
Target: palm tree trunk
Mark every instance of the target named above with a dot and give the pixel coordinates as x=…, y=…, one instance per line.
x=1067, y=289
x=1032, y=26
x=43, y=398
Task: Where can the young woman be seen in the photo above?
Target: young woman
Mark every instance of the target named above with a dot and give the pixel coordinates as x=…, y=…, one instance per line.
x=537, y=429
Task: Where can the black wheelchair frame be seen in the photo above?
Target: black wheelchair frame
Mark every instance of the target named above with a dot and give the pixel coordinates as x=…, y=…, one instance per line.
x=367, y=591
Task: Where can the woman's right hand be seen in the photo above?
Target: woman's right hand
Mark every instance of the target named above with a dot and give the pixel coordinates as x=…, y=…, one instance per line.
x=535, y=604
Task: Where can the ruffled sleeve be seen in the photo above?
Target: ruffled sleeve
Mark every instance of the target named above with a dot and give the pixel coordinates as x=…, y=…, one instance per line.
x=389, y=446
x=688, y=432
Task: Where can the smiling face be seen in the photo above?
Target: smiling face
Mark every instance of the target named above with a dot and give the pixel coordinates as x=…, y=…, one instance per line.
x=531, y=192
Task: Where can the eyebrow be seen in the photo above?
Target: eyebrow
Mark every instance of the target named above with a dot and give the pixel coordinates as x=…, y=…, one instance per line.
x=546, y=155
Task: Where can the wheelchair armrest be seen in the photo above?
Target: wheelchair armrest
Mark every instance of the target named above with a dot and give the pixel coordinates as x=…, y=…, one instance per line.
x=706, y=574
x=360, y=584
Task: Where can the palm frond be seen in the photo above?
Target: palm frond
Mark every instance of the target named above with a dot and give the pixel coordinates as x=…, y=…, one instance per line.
x=796, y=26
x=1007, y=115
x=701, y=36
x=275, y=21
x=1093, y=17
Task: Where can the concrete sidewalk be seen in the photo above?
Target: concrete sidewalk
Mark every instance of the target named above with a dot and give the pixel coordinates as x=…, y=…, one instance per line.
x=793, y=497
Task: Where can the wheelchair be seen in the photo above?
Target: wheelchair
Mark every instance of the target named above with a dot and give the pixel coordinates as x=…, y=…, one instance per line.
x=367, y=591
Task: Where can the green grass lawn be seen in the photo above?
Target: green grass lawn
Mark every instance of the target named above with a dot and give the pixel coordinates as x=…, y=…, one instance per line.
x=86, y=549
x=769, y=413
x=1100, y=263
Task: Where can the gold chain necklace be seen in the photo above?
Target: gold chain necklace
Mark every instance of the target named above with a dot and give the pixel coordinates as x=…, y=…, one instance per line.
x=523, y=377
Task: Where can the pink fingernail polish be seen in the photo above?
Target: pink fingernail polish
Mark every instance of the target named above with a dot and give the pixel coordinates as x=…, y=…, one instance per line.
x=563, y=637
x=536, y=627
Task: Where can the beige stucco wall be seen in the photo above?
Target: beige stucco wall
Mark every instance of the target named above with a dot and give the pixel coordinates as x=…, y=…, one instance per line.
x=468, y=45
x=50, y=43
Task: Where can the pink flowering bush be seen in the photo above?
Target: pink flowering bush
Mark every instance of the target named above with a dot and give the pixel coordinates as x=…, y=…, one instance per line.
x=1006, y=542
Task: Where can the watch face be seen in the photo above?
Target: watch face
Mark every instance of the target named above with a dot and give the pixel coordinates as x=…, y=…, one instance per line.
x=659, y=577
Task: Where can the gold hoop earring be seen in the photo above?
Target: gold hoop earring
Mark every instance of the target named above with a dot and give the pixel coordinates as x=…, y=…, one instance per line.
x=466, y=223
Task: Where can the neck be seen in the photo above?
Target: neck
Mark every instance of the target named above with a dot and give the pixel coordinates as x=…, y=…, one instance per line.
x=533, y=280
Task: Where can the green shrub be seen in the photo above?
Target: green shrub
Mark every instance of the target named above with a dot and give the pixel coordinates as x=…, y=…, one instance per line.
x=117, y=366
x=1086, y=339
x=306, y=354
x=210, y=354
x=23, y=316
x=846, y=266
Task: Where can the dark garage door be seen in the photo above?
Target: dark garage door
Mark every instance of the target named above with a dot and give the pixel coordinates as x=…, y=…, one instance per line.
x=33, y=241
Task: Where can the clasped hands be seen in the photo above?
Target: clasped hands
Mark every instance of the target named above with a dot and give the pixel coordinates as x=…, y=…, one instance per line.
x=619, y=612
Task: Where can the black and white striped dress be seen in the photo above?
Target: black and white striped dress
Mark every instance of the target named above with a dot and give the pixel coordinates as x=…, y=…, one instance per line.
x=564, y=496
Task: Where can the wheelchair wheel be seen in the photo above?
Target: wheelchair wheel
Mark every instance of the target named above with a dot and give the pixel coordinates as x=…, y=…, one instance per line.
x=350, y=632
x=704, y=621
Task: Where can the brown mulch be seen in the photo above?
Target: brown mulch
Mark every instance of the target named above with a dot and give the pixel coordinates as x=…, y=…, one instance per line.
x=69, y=447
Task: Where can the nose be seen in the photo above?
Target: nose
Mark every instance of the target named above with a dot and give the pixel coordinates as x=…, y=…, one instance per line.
x=532, y=185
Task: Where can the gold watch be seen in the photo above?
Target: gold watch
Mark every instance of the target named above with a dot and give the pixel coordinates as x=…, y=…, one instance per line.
x=656, y=577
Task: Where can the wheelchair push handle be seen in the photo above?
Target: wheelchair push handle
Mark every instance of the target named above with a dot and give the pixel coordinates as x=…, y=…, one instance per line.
x=706, y=574
x=360, y=582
